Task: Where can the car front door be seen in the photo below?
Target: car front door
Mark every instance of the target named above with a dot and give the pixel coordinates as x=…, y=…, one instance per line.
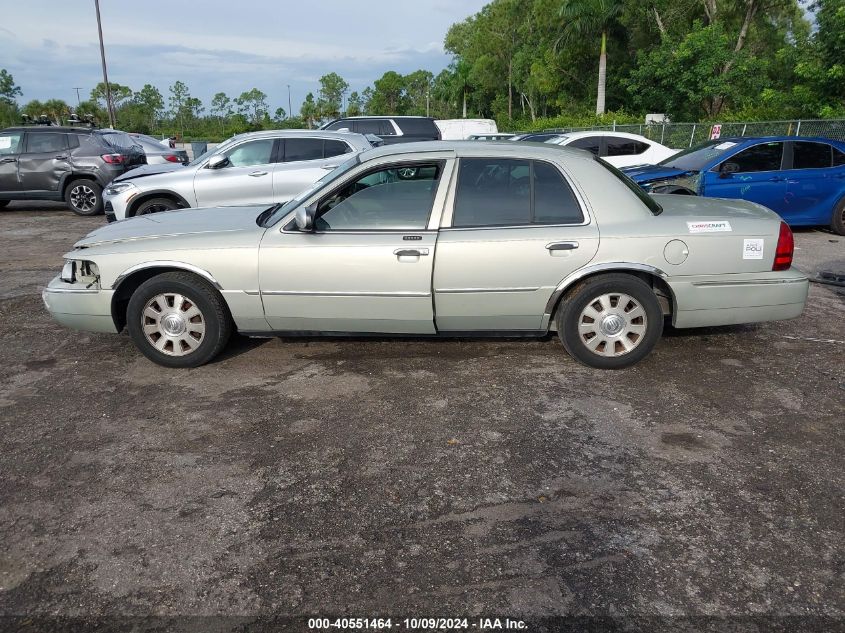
x=44, y=162
x=516, y=229
x=303, y=161
x=813, y=185
x=367, y=265
x=10, y=149
x=754, y=174
x=245, y=178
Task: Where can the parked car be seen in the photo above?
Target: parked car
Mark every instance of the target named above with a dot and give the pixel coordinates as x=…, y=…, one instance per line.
x=73, y=164
x=157, y=152
x=620, y=149
x=535, y=137
x=492, y=136
x=253, y=168
x=446, y=238
x=391, y=129
x=800, y=178
x=460, y=129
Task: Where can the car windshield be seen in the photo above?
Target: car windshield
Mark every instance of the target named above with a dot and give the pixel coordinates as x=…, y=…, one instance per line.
x=208, y=153
x=646, y=199
x=697, y=158
x=325, y=181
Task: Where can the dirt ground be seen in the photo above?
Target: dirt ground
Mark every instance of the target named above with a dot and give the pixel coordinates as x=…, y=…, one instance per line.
x=411, y=478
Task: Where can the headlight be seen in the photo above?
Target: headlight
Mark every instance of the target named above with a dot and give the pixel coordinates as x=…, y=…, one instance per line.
x=113, y=190
x=69, y=272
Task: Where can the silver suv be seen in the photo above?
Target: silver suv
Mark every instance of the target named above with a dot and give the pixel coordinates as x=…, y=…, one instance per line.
x=253, y=168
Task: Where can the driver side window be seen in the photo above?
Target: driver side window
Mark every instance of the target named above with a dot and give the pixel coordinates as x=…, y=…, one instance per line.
x=397, y=197
x=763, y=157
x=252, y=153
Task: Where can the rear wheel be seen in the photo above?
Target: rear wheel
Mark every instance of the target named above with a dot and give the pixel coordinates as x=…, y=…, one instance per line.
x=156, y=205
x=610, y=321
x=4, y=203
x=177, y=319
x=84, y=197
x=837, y=222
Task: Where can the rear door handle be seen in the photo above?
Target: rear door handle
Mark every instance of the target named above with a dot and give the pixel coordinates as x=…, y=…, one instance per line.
x=562, y=246
x=776, y=179
x=61, y=157
x=256, y=174
x=410, y=252
x=9, y=160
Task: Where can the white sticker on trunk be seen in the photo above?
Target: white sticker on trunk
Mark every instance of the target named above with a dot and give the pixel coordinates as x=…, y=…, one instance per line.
x=712, y=226
x=752, y=249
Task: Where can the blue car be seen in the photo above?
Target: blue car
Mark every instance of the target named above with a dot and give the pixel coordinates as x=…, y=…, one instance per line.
x=800, y=178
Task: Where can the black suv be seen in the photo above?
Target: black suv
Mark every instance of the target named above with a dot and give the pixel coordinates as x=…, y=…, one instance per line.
x=391, y=129
x=63, y=163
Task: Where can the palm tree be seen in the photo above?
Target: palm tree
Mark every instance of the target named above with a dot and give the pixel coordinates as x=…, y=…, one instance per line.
x=588, y=18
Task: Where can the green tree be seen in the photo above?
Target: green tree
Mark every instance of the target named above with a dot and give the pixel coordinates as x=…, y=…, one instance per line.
x=309, y=111
x=280, y=116
x=418, y=88
x=354, y=105
x=389, y=94
x=587, y=19
x=120, y=94
x=9, y=90
x=178, y=99
x=253, y=105
x=221, y=108
x=149, y=103
x=330, y=97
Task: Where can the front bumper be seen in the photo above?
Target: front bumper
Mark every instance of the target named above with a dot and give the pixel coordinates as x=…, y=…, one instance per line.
x=116, y=205
x=80, y=308
x=708, y=300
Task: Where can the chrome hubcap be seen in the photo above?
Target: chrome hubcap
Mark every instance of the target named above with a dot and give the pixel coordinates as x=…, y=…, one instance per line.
x=173, y=324
x=612, y=324
x=83, y=197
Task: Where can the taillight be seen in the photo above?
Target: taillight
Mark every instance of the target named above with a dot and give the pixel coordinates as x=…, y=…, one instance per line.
x=172, y=158
x=114, y=159
x=783, y=252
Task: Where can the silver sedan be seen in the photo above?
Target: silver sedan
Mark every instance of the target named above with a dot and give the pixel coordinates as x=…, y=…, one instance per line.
x=438, y=239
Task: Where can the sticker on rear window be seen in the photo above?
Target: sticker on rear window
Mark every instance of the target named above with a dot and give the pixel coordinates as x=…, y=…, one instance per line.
x=712, y=226
x=5, y=142
x=752, y=249
x=725, y=145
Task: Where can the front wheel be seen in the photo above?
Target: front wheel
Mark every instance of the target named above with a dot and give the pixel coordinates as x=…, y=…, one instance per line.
x=837, y=222
x=156, y=205
x=610, y=321
x=177, y=319
x=84, y=197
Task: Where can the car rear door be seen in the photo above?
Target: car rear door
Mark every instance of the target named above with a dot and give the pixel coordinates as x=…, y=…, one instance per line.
x=367, y=265
x=303, y=161
x=246, y=179
x=813, y=185
x=514, y=230
x=754, y=173
x=11, y=144
x=44, y=162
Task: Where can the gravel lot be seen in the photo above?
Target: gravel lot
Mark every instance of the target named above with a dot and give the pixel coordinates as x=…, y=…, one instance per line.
x=418, y=477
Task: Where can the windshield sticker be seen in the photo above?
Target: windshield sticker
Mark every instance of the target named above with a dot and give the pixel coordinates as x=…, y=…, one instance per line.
x=713, y=226
x=5, y=142
x=752, y=249
x=725, y=145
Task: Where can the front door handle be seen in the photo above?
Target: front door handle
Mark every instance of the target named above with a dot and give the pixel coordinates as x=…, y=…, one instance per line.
x=776, y=179
x=410, y=252
x=9, y=160
x=61, y=157
x=256, y=174
x=562, y=246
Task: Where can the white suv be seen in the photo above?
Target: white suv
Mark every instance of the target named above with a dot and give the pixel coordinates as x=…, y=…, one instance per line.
x=254, y=168
x=620, y=149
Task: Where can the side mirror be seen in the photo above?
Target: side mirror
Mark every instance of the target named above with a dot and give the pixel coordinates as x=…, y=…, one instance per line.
x=218, y=161
x=305, y=218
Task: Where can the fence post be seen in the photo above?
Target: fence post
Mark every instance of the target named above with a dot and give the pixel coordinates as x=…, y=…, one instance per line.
x=798, y=129
x=662, y=132
x=692, y=136
x=744, y=125
x=614, y=125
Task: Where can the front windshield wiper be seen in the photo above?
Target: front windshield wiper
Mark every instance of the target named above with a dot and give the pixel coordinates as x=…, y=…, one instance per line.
x=262, y=217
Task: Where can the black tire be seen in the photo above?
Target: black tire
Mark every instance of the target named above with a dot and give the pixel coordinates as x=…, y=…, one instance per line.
x=4, y=203
x=197, y=292
x=642, y=333
x=837, y=222
x=84, y=197
x=156, y=205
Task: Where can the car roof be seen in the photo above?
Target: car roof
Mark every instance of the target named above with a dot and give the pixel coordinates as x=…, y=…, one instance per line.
x=583, y=133
x=468, y=149
x=300, y=132
x=393, y=116
x=49, y=128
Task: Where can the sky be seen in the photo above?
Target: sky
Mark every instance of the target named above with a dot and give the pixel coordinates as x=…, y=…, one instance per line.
x=51, y=47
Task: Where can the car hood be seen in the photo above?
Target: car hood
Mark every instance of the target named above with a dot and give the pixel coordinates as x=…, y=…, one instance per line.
x=172, y=224
x=647, y=173
x=149, y=170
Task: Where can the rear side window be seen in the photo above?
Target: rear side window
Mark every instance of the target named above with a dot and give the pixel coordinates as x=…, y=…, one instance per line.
x=10, y=142
x=589, y=143
x=72, y=140
x=297, y=149
x=42, y=142
x=339, y=125
x=419, y=127
x=838, y=158
x=370, y=126
x=807, y=155
x=512, y=192
x=618, y=146
x=335, y=148
x=763, y=157
x=119, y=140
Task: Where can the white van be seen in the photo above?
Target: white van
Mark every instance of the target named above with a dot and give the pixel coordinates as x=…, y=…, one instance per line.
x=460, y=129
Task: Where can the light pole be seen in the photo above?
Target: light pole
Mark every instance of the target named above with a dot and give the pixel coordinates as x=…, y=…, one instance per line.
x=290, y=109
x=78, y=98
x=109, y=104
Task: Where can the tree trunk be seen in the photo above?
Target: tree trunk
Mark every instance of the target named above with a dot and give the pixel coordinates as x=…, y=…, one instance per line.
x=510, y=90
x=602, y=74
x=465, y=103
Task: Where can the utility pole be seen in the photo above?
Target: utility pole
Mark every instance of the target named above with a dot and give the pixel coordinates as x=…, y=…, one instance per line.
x=427, y=101
x=78, y=98
x=290, y=109
x=109, y=104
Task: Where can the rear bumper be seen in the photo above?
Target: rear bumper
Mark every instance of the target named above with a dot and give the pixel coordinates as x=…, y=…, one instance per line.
x=79, y=308
x=708, y=300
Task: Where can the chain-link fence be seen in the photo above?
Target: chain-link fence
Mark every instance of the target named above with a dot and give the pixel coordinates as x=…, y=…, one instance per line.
x=680, y=135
